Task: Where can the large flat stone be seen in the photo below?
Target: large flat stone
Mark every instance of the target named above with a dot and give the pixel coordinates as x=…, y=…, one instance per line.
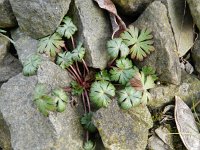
x=123, y=130
x=196, y=55
x=165, y=59
x=94, y=31
x=39, y=18
x=7, y=18
x=29, y=129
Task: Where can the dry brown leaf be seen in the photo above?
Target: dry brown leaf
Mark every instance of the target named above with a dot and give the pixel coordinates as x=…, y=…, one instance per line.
x=136, y=82
x=186, y=125
x=117, y=23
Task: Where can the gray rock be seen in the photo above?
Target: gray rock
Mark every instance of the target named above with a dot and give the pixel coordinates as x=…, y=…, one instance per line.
x=9, y=68
x=29, y=129
x=194, y=6
x=24, y=44
x=94, y=31
x=196, y=55
x=188, y=90
x=7, y=18
x=39, y=18
x=53, y=75
x=4, y=47
x=4, y=135
x=155, y=143
x=131, y=6
x=126, y=129
x=165, y=59
x=182, y=25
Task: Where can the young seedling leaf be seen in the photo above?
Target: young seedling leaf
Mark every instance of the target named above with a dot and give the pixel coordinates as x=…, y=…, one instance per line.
x=67, y=28
x=149, y=71
x=64, y=60
x=78, y=53
x=89, y=145
x=129, y=98
x=60, y=98
x=86, y=122
x=140, y=42
x=103, y=76
x=43, y=102
x=117, y=46
x=51, y=45
x=76, y=88
x=101, y=93
x=31, y=65
x=123, y=71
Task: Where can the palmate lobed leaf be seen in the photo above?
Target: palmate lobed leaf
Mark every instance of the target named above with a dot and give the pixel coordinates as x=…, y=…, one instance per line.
x=51, y=45
x=76, y=88
x=123, y=71
x=129, y=98
x=117, y=46
x=43, y=101
x=103, y=76
x=60, y=98
x=64, y=60
x=101, y=93
x=140, y=42
x=78, y=53
x=31, y=65
x=67, y=28
x=86, y=122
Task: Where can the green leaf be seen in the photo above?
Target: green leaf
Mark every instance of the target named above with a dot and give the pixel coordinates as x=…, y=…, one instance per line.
x=89, y=145
x=76, y=88
x=31, y=65
x=129, y=98
x=149, y=71
x=86, y=122
x=102, y=76
x=67, y=28
x=51, y=45
x=101, y=93
x=140, y=42
x=123, y=72
x=60, y=98
x=116, y=46
x=64, y=60
x=78, y=53
x=43, y=102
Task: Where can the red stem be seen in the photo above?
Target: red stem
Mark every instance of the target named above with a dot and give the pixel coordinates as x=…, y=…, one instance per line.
x=79, y=78
x=85, y=65
x=73, y=43
x=73, y=75
x=84, y=105
x=87, y=98
x=77, y=68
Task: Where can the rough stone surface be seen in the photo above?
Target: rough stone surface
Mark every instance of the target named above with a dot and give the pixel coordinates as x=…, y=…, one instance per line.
x=7, y=18
x=155, y=143
x=196, y=55
x=53, y=75
x=188, y=90
x=94, y=31
x=4, y=135
x=182, y=25
x=24, y=44
x=165, y=58
x=4, y=47
x=29, y=129
x=131, y=6
x=127, y=130
x=194, y=6
x=39, y=18
x=9, y=68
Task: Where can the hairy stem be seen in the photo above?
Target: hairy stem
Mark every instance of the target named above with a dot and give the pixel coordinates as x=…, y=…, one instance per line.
x=74, y=75
x=77, y=75
x=84, y=105
x=77, y=68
